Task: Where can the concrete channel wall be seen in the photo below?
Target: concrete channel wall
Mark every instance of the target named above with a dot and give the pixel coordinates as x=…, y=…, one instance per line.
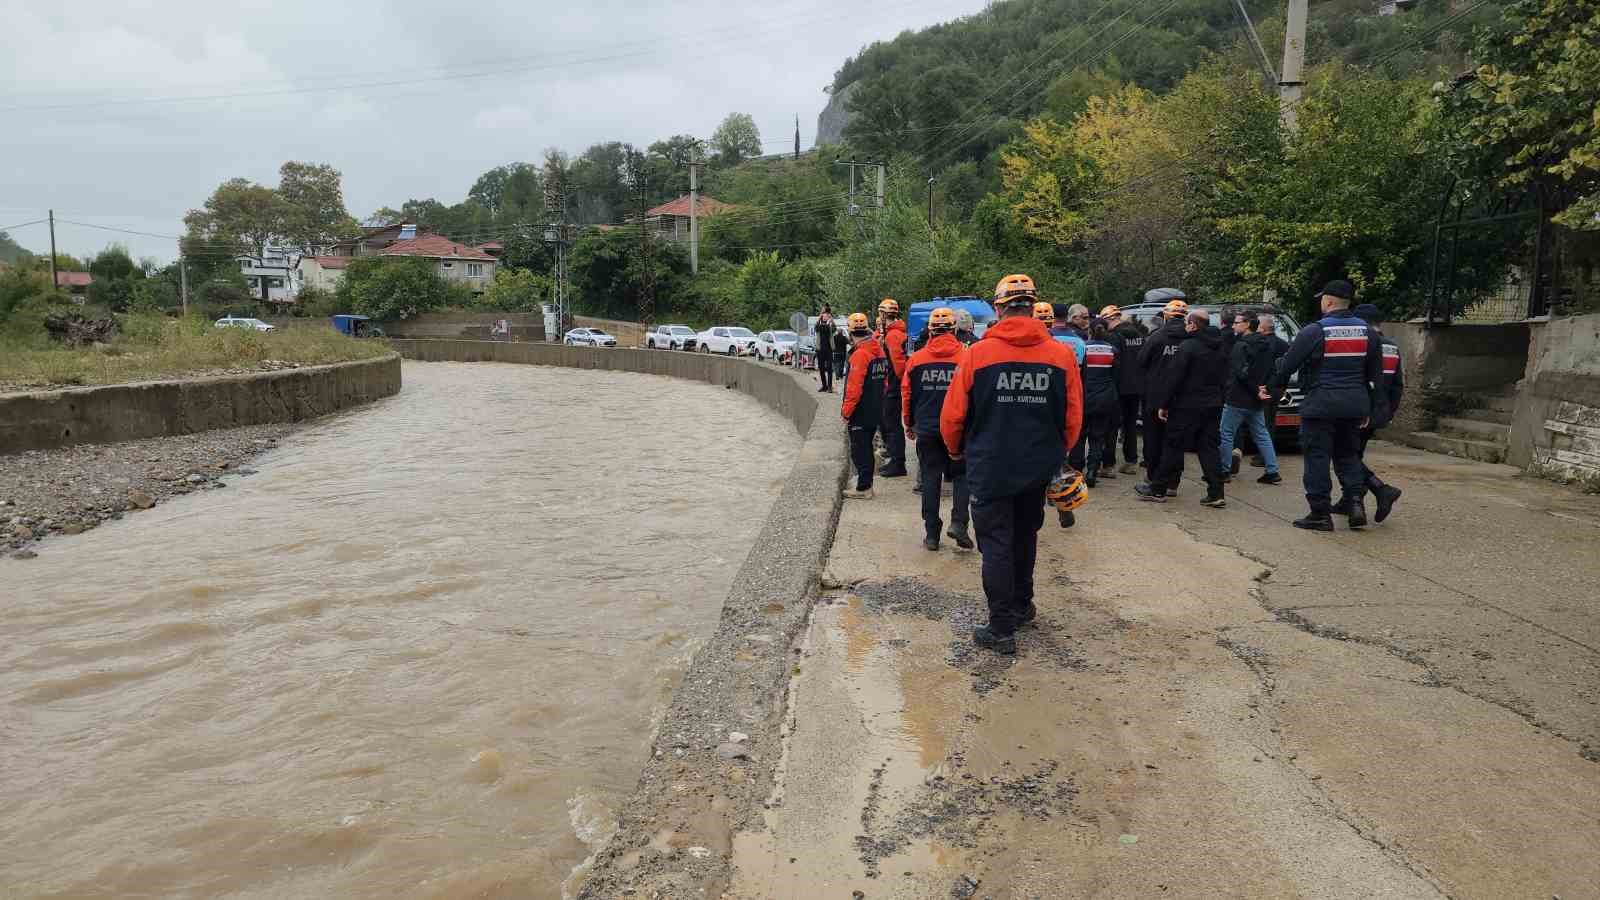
x=1557, y=418
x=122, y=412
x=739, y=677
x=1454, y=359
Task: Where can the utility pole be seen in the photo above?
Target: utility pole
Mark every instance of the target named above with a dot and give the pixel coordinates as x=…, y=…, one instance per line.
x=882, y=173
x=1294, y=62
x=647, y=290
x=694, y=217
x=55, y=281
x=183, y=283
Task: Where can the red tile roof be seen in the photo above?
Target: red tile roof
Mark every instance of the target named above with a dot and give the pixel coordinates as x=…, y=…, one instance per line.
x=706, y=206
x=491, y=245
x=436, y=246
x=332, y=262
x=73, y=279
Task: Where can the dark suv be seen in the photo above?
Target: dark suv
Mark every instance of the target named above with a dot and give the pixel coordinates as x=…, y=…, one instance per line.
x=1287, y=427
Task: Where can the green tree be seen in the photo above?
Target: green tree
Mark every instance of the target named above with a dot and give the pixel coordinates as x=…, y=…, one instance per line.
x=515, y=290
x=1528, y=114
x=10, y=250
x=736, y=139
x=115, y=277
x=239, y=217
x=313, y=206
x=389, y=288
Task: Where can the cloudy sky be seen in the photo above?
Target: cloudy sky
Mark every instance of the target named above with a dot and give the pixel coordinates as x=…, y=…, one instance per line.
x=127, y=113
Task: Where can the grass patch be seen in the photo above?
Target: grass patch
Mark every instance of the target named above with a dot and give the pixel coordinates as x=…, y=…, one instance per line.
x=152, y=346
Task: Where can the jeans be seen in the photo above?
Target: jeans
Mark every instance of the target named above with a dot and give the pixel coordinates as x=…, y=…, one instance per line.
x=1130, y=429
x=1186, y=426
x=935, y=465
x=861, y=454
x=1008, y=537
x=1338, y=440
x=825, y=372
x=1256, y=419
x=894, y=430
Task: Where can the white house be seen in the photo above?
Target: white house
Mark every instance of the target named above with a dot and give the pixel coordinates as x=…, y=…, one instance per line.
x=272, y=276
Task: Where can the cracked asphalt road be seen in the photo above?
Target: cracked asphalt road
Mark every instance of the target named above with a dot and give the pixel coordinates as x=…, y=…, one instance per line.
x=1227, y=706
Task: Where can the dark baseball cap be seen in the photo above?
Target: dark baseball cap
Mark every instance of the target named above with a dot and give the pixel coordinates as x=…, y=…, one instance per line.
x=1369, y=312
x=1340, y=288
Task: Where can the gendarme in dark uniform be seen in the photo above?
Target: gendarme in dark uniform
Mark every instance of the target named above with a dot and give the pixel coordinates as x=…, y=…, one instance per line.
x=1340, y=361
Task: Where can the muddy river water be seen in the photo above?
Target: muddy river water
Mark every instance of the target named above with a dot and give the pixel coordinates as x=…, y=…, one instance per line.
x=417, y=655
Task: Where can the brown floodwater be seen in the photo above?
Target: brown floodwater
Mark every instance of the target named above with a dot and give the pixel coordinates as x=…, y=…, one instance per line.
x=418, y=655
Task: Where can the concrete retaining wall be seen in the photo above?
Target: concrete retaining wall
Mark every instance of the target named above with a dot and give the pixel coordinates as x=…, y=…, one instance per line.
x=1455, y=359
x=1557, y=418
x=123, y=412
x=467, y=325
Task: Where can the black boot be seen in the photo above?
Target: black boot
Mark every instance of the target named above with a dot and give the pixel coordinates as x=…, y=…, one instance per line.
x=931, y=542
x=958, y=533
x=892, y=470
x=1067, y=518
x=1358, y=513
x=1315, y=521
x=1385, y=495
x=1004, y=644
x=1028, y=615
x=1342, y=508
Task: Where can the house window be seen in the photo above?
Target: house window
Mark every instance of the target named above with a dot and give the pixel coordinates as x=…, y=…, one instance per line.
x=244, y=265
x=447, y=265
x=274, y=282
x=474, y=270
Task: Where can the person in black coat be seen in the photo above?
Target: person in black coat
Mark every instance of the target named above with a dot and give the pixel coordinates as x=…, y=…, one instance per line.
x=1155, y=359
x=1249, y=367
x=1267, y=327
x=1102, y=364
x=1129, y=336
x=822, y=335
x=1189, y=400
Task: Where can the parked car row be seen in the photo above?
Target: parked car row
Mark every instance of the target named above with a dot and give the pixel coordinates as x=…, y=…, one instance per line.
x=730, y=340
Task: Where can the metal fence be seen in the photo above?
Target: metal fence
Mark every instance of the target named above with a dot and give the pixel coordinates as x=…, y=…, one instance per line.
x=1498, y=257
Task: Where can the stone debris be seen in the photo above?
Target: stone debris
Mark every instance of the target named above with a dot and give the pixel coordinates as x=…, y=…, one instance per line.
x=71, y=490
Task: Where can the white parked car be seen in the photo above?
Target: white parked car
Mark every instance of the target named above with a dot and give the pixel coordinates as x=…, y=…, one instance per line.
x=242, y=322
x=729, y=339
x=777, y=346
x=588, y=337
x=670, y=337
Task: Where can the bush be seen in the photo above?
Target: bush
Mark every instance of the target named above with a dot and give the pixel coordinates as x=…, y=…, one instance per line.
x=514, y=290
x=390, y=288
x=317, y=303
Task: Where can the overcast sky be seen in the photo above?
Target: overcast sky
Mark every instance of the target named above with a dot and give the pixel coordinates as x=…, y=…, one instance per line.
x=129, y=113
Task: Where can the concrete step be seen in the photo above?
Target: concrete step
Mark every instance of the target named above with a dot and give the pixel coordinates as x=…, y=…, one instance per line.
x=1500, y=402
x=1483, y=451
x=1475, y=429
x=1497, y=416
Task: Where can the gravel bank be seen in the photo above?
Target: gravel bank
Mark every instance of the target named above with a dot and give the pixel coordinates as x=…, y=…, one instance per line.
x=73, y=489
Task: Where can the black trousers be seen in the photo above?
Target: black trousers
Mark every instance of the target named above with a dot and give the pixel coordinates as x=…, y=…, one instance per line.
x=861, y=454
x=894, y=430
x=935, y=465
x=1202, y=429
x=1008, y=537
x=1130, y=429
x=1076, y=456
x=1155, y=439
x=1100, y=439
x=1337, y=441
x=825, y=371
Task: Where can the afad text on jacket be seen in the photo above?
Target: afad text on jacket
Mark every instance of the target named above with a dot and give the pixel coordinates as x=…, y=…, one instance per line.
x=1160, y=348
x=929, y=373
x=1340, y=361
x=1014, y=408
x=863, y=390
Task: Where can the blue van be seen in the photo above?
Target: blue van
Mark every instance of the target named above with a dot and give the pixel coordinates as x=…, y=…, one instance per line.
x=917, y=316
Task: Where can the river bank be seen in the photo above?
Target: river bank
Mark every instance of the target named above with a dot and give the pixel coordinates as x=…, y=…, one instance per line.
x=70, y=490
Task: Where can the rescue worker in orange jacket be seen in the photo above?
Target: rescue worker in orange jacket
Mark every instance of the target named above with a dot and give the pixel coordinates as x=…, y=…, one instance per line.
x=892, y=335
x=1013, y=411
x=928, y=376
x=863, y=400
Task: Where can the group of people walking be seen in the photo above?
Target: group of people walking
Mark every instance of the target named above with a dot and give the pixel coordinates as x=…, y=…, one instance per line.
x=1037, y=406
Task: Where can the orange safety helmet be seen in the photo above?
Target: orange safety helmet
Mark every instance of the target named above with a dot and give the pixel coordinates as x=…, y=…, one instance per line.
x=1015, y=289
x=942, y=320
x=1044, y=312
x=889, y=308
x=1175, y=309
x=1067, y=491
x=858, y=325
